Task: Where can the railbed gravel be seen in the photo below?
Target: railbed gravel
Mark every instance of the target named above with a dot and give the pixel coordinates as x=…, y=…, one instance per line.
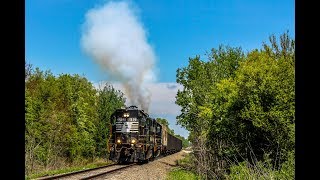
x=154, y=170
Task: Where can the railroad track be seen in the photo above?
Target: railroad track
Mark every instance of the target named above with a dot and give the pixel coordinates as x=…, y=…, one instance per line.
x=89, y=173
x=92, y=173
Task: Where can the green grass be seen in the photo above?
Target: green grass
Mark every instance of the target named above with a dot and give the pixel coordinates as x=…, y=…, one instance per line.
x=185, y=163
x=263, y=170
x=66, y=170
x=180, y=174
x=183, y=171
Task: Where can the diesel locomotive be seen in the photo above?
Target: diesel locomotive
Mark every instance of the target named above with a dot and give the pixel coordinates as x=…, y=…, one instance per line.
x=136, y=137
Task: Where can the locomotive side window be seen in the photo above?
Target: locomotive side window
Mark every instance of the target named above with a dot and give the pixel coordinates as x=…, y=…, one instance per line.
x=146, y=127
x=150, y=126
x=143, y=121
x=158, y=130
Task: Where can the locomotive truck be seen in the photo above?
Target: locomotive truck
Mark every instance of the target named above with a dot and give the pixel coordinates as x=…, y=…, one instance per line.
x=136, y=137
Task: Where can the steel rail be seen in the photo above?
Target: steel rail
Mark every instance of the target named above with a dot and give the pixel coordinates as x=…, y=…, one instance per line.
x=107, y=172
x=73, y=173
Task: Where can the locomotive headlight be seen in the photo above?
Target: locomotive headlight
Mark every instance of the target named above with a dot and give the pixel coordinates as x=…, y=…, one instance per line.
x=118, y=141
x=133, y=140
x=126, y=115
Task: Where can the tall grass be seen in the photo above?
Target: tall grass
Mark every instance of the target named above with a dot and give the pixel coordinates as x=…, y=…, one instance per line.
x=263, y=170
x=184, y=171
x=70, y=168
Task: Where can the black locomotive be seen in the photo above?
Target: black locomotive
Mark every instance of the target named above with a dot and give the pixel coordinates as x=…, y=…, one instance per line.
x=135, y=137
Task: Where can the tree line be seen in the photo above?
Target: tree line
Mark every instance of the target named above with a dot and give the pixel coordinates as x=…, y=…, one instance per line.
x=66, y=119
x=240, y=110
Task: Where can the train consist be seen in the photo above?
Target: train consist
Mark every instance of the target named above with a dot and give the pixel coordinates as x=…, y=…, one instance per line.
x=136, y=137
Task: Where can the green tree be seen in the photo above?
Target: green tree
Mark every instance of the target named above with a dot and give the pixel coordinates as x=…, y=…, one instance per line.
x=199, y=80
x=165, y=123
x=66, y=119
x=41, y=135
x=236, y=105
x=185, y=142
x=109, y=99
x=28, y=70
x=259, y=103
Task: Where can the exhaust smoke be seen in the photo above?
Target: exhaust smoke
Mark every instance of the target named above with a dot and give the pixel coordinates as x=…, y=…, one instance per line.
x=113, y=37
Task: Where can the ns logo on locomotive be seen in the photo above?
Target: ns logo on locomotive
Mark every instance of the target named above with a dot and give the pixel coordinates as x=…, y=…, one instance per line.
x=135, y=137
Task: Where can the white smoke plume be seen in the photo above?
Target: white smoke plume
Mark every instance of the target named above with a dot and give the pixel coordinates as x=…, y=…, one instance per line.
x=115, y=38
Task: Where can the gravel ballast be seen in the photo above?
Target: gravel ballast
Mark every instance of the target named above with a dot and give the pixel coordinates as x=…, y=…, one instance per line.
x=155, y=170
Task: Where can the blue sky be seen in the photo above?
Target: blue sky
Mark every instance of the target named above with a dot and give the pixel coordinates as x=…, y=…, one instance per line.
x=176, y=30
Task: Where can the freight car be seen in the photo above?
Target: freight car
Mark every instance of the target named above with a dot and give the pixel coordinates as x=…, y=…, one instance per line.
x=173, y=145
x=136, y=137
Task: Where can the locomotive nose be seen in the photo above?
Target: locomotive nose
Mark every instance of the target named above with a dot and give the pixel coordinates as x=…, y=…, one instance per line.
x=124, y=138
